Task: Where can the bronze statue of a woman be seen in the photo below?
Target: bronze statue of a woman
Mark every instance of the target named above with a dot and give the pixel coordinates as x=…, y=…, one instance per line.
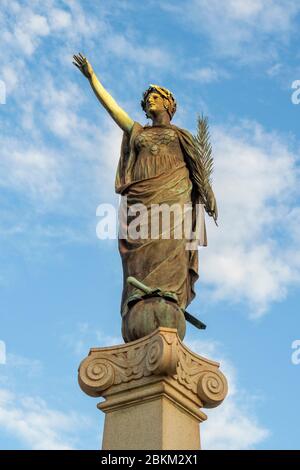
x=158, y=165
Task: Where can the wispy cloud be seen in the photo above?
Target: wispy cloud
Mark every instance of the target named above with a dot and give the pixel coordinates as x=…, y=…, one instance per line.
x=31, y=170
x=62, y=146
x=84, y=336
x=234, y=424
x=33, y=367
x=249, y=31
x=122, y=47
x=29, y=420
x=37, y=426
x=250, y=255
x=207, y=74
x=274, y=70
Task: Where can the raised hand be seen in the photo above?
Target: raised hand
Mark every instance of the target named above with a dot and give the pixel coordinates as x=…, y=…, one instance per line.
x=83, y=65
x=106, y=100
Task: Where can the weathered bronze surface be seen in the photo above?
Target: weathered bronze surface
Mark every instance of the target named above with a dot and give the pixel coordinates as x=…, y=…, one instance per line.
x=158, y=165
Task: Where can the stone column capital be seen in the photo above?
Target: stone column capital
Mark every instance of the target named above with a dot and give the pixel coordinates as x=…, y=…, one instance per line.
x=156, y=358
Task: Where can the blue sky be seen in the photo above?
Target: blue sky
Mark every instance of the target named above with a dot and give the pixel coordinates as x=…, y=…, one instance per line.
x=60, y=286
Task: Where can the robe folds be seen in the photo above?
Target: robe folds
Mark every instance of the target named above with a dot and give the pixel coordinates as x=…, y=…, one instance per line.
x=157, y=166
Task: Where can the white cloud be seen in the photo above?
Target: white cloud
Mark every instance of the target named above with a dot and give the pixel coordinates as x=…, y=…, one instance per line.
x=27, y=30
x=35, y=425
x=207, y=75
x=110, y=142
x=32, y=367
x=84, y=336
x=232, y=428
x=59, y=19
x=123, y=47
x=29, y=169
x=237, y=28
x=249, y=256
x=274, y=70
x=25, y=24
x=28, y=420
x=232, y=425
x=50, y=103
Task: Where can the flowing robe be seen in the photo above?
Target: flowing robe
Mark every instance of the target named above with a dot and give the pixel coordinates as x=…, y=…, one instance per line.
x=157, y=166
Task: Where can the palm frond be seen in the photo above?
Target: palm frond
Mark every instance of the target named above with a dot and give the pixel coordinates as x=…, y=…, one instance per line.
x=204, y=156
x=202, y=166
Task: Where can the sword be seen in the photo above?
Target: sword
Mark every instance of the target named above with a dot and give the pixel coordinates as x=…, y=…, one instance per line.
x=147, y=290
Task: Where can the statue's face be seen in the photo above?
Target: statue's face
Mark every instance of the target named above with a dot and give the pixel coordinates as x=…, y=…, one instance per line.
x=154, y=104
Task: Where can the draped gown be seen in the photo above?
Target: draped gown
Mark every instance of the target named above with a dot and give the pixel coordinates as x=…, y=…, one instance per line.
x=155, y=168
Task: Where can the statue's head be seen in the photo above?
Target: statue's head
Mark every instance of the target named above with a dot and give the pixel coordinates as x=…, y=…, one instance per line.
x=158, y=98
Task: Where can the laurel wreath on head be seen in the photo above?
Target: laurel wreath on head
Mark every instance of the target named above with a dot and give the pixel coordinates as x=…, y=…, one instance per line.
x=205, y=163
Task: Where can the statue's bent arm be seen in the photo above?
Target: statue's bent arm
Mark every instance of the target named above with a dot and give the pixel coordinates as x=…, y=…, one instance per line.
x=107, y=101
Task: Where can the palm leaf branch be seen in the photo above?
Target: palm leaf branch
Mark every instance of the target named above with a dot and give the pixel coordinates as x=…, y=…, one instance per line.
x=205, y=162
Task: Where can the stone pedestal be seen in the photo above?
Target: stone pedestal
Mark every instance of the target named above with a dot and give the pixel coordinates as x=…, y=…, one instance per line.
x=154, y=389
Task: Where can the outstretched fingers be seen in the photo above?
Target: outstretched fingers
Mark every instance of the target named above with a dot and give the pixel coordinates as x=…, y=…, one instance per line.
x=77, y=59
x=78, y=66
x=80, y=59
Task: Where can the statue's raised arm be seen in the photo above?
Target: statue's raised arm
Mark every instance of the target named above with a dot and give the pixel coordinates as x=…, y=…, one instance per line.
x=116, y=112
